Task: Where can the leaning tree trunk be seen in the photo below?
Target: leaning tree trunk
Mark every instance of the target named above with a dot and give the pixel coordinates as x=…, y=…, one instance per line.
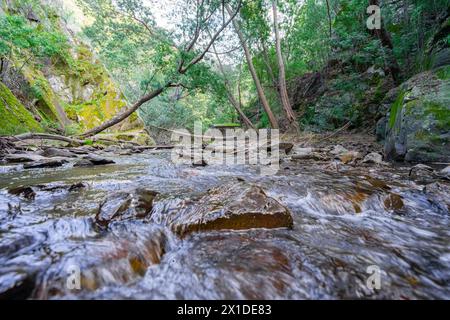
x=262, y=97
x=231, y=98
x=125, y=114
x=386, y=41
x=290, y=115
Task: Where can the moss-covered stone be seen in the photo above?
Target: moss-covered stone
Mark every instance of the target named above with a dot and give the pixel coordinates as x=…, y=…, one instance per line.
x=15, y=118
x=419, y=125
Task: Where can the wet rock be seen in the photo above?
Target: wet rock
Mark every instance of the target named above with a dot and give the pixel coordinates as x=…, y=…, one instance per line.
x=23, y=157
x=95, y=160
x=125, y=205
x=394, y=202
x=445, y=173
x=92, y=160
x=29, y=192
x=374, y=158
x=438, y=193
x=45, y=164
x=83, y=163
x=25, y=192
x=422, y=173
x=55, y=152
x=350, y=156
x=236, y=207
x=16, y=286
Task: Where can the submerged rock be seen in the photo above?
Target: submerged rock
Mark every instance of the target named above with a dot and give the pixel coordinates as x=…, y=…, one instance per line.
x=125, y=205
x=29, y=192
x=236, y=207
x=25, y=192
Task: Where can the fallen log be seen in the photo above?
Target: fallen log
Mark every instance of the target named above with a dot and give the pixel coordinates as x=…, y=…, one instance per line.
x=46, y=136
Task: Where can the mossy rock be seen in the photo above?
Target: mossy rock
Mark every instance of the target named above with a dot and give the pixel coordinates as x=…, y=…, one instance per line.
x=15, y=118
x=419, y=123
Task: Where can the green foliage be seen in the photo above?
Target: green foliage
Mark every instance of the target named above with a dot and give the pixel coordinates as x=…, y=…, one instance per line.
x=18, y=37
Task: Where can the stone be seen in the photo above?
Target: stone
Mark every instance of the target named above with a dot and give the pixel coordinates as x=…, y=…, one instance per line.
x=350, y=156
x=338, y=149
x=45, y=164
x=374, y=158
x=55, y=152
x=125, y=205
x=25, y=192
x=418, y=125
x=92, y=160
x=438, y=193
x=21, y=158
x=422, y=173
x=229, y=207
x=445, y=172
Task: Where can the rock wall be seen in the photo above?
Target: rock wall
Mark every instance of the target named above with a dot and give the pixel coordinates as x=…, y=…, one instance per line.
x=69, y=93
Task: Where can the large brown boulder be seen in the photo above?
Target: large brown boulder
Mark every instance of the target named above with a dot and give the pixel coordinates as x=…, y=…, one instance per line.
x=230, y=207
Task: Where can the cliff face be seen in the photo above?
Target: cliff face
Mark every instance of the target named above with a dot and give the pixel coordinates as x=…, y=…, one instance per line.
x=58, y=85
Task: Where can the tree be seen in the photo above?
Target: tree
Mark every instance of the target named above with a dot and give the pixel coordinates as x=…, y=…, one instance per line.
x=230, y=95
x=262, y=97
x=188, y=56
x=290, y=115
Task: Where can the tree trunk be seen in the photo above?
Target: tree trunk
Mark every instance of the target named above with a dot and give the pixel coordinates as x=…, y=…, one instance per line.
x=290, y=115
x=231, y=98
x=386, y=41
x=262, y=97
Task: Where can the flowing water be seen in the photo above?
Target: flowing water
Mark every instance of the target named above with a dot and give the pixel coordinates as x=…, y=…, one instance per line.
x=348, y=225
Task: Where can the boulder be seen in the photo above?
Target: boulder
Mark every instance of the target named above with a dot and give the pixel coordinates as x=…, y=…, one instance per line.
x=55, y=152
x=236, y=207
x=23, y=157
x=92, y=160
x=373, y=158
x=445, y=173
x=437, y=193
x=418, y=125
x=53, y=163
x=422, y=173
x=338, y=149
x=349, y=157
x=125, y=205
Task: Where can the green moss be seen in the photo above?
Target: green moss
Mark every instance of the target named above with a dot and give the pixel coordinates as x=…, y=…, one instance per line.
x=396, y=109
x=43, y=93
x=443, y=73
x=440, y=113
x=15, y=118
